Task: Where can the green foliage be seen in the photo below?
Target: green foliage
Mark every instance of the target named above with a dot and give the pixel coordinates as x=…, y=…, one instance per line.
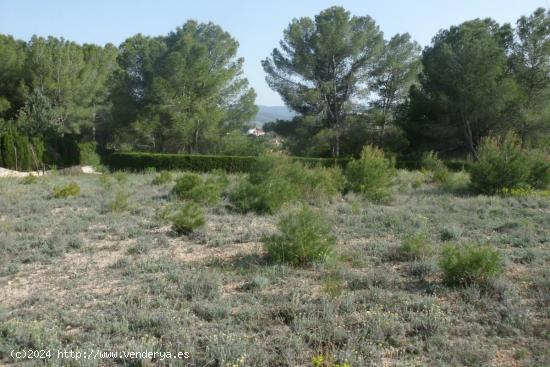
x=275, y=180
x=15, y=151
x=61, y=151
x=24, y=162
x=416, y=247
x=186, y=183
x=372, y=174
x=89, y=155
x=38, y=117
x=191, y=186
x=465, y=89
x=119, y=203
x=162, y=178
x=70, y=189
x=191, y=89
x=7, y=149
x=530, y=52
x=350, y=47
x=261, y=199
x=470, y=264
x=539, y=162
x=431, y=162
x=29, y=180
x=321, y=182
x=456, y=182
x=239, y=144
x=304, y=236
x=200, y=163
x=501, y=164
x=121, y=176
x=187, y=218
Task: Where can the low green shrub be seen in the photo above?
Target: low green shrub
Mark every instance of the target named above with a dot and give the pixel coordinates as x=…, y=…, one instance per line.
x=406, y=180
x=29, y=180
x=162, y=178
x=322, y=182
x=275, y=180
x=121, y=176
x=105, y=181
x=431, y=162
x=416, y=247
x=501, y=164
x=304, y=237
x=470, y=264
x=372, y=174
x=456, y=181
x=119, y=203
x=71, y=189
x=192, y=186
x=539, y=162
x=450, y=232
x=421, y=269
x=187, y=218
x=88, y=154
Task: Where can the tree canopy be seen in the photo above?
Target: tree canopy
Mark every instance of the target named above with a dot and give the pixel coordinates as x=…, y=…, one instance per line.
x=182, y=92
x=331, y=67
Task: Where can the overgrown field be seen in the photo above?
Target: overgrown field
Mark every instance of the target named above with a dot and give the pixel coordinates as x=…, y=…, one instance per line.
x=103, y=269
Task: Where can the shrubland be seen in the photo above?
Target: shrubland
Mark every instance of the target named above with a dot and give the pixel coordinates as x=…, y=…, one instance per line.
x=342, y=279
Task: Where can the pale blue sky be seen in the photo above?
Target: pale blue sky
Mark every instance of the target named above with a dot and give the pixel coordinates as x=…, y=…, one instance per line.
x=258, y=24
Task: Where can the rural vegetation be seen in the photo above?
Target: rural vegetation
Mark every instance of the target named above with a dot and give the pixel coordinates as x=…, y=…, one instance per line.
x=402, y=219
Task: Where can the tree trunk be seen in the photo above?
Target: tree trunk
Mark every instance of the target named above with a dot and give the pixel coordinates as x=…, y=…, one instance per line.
x=469, y=136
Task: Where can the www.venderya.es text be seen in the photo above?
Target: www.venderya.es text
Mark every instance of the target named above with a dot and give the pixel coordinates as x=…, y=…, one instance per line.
x=95, y=354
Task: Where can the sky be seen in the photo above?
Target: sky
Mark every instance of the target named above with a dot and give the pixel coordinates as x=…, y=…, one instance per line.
x=257, y=24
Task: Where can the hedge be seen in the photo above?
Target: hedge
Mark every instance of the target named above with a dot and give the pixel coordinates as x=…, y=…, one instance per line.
x=137, y=161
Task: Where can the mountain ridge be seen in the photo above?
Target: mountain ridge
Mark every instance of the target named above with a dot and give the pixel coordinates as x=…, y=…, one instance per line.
x=272, y=113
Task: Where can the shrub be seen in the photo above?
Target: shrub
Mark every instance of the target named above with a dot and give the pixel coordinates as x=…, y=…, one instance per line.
x=372, y=174
x=431, y=162
x=121, y=176
x=189, y=217
x=276, y=179
x=88, y=154
x=71, y=189
x=29, y=180
x=501, y=165
x=450, y=233
x=407, y=180
x=539, y=163
x=322, y=182
x=262, y=199
x=162, y=178
x=303, y=237
x=200, y=286
x=270, y=184
x=416, y=247
x=119, y=202
x=470, y=264
x=192, y=186
x=456, y=181
x=422, y=268
x=105, y=181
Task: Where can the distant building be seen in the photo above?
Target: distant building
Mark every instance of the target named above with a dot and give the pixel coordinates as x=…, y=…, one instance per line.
x=256, y=132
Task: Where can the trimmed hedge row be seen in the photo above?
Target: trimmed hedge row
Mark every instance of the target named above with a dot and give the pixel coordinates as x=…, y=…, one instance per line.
x=136, y=161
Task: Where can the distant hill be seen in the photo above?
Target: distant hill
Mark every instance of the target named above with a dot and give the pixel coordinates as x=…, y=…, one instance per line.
x=272, y=113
